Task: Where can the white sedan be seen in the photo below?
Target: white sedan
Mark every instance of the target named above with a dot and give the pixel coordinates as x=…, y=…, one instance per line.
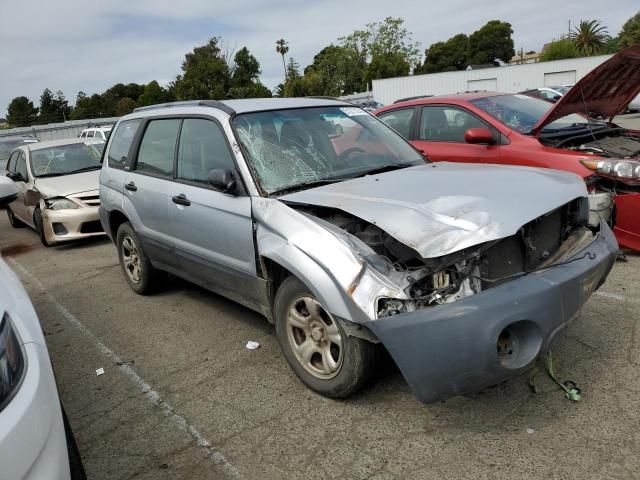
x=33, y=432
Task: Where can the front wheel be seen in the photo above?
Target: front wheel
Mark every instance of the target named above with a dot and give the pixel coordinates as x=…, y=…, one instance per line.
x=316, y=347
x=38, y=222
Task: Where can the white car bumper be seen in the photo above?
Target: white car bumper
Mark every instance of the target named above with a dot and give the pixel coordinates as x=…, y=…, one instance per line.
x=32, y=438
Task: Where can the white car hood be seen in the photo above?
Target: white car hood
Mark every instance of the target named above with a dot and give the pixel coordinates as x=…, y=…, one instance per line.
x=441, y=208
x=68, y=184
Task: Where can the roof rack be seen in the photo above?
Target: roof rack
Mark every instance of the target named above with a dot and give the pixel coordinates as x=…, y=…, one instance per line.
x=190, y=103
x=406, y=99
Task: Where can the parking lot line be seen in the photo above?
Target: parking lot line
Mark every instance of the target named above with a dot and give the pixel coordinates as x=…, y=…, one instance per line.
x=615, y=297
x=149, y=393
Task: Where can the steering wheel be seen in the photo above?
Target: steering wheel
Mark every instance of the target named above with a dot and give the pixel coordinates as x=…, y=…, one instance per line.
x=349, y=151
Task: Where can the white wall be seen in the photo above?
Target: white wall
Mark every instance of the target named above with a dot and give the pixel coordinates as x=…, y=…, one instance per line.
x=509, y=79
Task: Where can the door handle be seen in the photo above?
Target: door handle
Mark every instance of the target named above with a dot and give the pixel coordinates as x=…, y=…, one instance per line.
x=131, y=187
x=181, y=200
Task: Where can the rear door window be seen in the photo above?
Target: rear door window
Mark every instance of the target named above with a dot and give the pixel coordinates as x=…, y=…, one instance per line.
x=158, y=147
x=21, y=166
x=11, y=165
x=400, y=120
x=121, y=143
x=203, y=147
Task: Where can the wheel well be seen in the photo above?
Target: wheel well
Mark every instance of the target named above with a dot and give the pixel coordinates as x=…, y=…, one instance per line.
x=275, y=275
x=116, y=219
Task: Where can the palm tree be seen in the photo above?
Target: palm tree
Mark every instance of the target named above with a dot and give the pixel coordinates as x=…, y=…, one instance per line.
x=282, y=47
x=590, y=37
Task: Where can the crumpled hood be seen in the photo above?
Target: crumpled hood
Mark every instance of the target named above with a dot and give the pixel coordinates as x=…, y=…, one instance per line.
x=440, y=208
x=606, y=90
x=68, y=184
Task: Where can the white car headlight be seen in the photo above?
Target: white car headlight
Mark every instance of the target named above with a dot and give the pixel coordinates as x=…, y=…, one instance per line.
x=12, y=362
x=627, y=169
x=61, y=204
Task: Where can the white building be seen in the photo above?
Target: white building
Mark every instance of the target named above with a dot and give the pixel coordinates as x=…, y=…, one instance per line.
x=509, y=79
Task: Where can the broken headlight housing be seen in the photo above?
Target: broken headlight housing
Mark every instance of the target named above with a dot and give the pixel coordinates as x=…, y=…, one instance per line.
x=621, y=169
x=12, y=362
x=60, y=204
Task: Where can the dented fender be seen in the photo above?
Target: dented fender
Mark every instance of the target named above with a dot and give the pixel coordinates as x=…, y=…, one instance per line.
x=318, y=258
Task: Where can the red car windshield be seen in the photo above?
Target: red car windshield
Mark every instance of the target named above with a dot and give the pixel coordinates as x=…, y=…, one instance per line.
x=521, y=112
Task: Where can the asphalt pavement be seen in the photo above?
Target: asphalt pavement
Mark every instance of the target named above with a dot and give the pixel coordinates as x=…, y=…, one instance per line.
x=183, y=398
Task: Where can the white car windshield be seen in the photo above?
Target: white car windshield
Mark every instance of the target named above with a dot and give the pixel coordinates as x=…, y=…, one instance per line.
x=66, y=159
x=522, y=112
x=298, y=148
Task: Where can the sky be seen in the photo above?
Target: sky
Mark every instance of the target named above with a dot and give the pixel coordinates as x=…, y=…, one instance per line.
x=72, y=45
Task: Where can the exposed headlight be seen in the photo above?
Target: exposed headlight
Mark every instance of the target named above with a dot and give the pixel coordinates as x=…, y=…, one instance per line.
x=12, y=362
x=627, y=169
x=60, y=204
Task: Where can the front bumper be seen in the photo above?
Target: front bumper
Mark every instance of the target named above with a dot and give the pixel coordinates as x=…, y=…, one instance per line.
x=73, y=224
x=452, y=349
x=32, y=439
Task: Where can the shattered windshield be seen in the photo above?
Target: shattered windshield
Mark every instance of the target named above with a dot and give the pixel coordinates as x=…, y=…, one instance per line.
x=66, y=159
x=522, y=112
x=290, y=149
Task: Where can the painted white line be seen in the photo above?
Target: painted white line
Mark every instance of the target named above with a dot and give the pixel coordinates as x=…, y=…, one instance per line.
x=150, y=394
x=614, y=296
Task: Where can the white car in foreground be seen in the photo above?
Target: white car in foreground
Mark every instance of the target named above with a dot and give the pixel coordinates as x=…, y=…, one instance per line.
x=35, y=439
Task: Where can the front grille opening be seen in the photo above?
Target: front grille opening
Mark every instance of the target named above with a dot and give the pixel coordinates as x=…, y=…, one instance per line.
x=91, y=227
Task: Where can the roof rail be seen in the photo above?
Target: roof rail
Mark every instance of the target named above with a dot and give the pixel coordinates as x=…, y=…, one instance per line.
x=406, y=99
x=190, y=103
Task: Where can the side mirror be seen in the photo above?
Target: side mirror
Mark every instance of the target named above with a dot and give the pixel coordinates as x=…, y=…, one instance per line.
x=8, y=191
x=15, y=176
x=479, y=136
x=223, y=179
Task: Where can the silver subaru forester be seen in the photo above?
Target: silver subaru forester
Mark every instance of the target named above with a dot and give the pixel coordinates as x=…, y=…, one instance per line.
x=322, y=218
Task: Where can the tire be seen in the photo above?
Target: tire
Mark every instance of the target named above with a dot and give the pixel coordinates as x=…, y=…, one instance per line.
x=353, y=358
x=75, y=460
x=141, y=276
x=15, y=223
x=37, y=221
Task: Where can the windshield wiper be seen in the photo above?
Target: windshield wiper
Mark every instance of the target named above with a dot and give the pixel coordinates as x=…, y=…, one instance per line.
x=85, y=169
x=309, y=184
x=385, y=168
x=52, y=174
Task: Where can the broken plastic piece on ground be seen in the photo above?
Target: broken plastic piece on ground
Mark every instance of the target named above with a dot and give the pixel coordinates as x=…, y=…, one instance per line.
x=530, y=430
x=251, y=345
x=100, y=371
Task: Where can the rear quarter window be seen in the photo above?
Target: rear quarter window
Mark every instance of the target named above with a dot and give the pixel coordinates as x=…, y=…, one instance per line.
x=121, y=143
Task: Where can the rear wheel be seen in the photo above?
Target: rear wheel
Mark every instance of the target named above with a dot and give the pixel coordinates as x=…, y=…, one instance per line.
x=15, y=223
x=316, y=347
x=141, y=276
x=37, y=220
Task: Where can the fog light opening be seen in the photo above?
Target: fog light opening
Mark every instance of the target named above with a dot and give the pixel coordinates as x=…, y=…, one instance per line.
x=59, y=229
x=518, y=344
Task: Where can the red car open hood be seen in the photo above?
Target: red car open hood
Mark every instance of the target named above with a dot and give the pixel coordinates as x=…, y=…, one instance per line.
x=605, y=91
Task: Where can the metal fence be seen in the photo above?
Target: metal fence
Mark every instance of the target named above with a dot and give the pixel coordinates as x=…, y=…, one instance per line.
x=57, y=131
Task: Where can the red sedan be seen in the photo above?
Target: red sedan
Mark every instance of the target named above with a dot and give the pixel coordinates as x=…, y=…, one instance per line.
x=516, y=129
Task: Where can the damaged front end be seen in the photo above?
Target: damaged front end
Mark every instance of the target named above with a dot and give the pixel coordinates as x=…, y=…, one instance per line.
x=395, y=279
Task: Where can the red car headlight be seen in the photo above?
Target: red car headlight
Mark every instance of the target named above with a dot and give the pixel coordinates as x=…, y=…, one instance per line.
x=622, y=169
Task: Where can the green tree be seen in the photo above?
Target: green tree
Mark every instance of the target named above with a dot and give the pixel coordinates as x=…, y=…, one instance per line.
x=630, y=33
x=282, y=48
x=491, y=42
x=335, y=71
x=387, y=39
x=387, y=65
x=47, y=111
x=245, y=82
x=590, y=37
x=21, y=112
x=446, y=56
x=559, y=49
x=205, y=73
x=89, y=107
x=61, y=106
x=294, y=86
x=125, y=106
x=153, y=94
